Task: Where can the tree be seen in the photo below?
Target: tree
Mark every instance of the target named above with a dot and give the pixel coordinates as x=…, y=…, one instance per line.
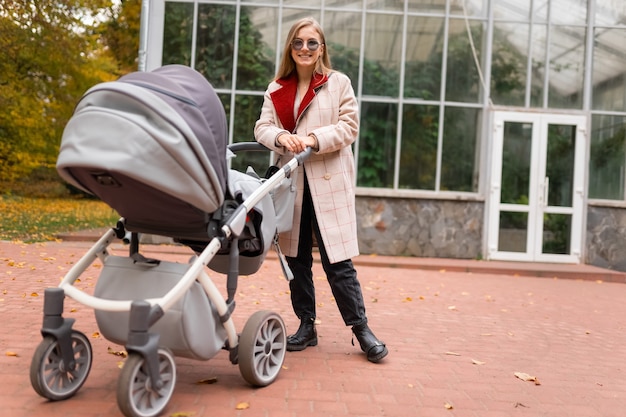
x=49, y=56
x=120, y=34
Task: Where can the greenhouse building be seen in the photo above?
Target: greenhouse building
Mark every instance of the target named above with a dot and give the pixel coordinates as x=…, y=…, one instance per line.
x=490, y=129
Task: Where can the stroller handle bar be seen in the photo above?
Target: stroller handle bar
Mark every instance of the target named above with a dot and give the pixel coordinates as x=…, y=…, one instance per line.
x=237, y=221
x=256, y=146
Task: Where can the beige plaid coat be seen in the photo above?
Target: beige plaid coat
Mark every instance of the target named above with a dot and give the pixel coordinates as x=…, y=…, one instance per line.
x=329, y=110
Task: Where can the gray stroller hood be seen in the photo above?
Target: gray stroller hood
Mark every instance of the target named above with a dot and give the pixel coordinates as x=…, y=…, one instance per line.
x=152, y=145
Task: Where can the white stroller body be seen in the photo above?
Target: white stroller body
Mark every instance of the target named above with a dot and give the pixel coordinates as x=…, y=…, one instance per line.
x=153, y=147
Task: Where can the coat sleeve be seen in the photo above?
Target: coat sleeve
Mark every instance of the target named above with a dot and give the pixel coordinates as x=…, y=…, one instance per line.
x=267, y=128
x=344, y=109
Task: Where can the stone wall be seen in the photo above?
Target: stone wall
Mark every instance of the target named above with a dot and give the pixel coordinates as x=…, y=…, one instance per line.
x=606, y=237
x=422, y=228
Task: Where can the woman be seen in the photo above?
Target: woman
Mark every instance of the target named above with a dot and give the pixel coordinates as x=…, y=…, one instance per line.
x=310, y=105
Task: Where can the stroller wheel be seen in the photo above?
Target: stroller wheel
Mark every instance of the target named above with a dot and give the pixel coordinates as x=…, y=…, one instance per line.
x=51, y=377
x=135, y=395
x=262, y=347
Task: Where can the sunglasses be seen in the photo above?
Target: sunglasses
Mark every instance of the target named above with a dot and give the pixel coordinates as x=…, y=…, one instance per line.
x=311, y=44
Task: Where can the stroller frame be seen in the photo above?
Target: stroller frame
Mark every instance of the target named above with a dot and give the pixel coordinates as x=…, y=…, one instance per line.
x=62, y=361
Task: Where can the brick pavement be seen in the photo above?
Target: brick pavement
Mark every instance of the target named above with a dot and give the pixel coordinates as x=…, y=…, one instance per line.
x=455, y=341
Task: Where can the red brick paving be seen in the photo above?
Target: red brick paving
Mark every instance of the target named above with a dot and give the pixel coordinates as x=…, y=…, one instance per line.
x=455, y=341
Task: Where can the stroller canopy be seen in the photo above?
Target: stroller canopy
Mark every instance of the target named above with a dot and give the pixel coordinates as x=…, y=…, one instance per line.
x=193, y=97
x=153, y=146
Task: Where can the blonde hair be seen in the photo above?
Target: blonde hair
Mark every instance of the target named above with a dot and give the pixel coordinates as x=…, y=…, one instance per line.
x=287, y=64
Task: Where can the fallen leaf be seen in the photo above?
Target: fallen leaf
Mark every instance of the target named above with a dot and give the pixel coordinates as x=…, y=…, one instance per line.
x=452, y=308
x=453, y=353
x=95, y=334
x=207, y=381
x=242, y=406
x=448, y=406
x=9, y=353
x=475, y=362
x=526, y=377
x=121, y=353
x=407, y=299
x=182, y=414
x=34, y=294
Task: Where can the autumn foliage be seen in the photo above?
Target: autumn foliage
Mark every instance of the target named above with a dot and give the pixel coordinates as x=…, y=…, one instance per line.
x=51, y=52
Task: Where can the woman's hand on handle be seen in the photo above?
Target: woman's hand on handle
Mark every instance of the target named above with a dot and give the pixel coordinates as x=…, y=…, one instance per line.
x=297, y=144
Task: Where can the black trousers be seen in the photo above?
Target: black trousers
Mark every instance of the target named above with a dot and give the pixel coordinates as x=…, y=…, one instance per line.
x=341, y=276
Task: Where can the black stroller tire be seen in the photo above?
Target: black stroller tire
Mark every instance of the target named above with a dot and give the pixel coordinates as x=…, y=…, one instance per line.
x=135, y=395
x=48, y=373
x=262, y=347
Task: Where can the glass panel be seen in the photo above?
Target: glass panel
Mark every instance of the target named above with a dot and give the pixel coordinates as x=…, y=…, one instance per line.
x=225, y=99
x=377, y=144
x=343, y=38
x=606, y=165
x=428, y=6
x=397, y=5
x=215, y=43
x=540, y=12
x=557, y=229
x=422, y=75
x=352, y=4
x=609, y=70
x=610, y=12
x=307, y=3
x=381, y=69
x=516, y=152
x=462, y=80
x=568, y=12
x=459, y=159
x=256, y=54
x=560, y=164
x=246, y=115
x=177, y=33
x=418, y=153
x=475, y=8
x=539, y=39
x=567, y=67
x=512, y=10
x=509, y=63
x=513, y=232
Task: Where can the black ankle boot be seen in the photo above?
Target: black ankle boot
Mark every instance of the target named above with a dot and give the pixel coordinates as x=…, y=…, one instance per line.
x=305, y=336
x=373, y=348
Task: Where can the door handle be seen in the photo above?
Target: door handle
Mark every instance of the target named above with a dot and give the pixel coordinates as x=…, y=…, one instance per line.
x=546, y=187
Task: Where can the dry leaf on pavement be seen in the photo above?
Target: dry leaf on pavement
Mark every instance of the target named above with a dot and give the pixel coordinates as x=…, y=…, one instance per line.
x=242, y=406
x=207, y=381
x=526, y=377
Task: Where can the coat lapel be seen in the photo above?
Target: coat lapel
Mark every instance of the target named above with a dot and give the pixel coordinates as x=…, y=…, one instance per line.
x=285, y=97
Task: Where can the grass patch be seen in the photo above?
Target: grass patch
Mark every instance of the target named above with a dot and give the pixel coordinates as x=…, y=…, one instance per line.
x=32, y=219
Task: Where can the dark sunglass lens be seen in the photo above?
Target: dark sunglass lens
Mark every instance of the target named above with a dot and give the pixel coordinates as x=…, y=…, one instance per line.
x=312, y=45
x=297, y=44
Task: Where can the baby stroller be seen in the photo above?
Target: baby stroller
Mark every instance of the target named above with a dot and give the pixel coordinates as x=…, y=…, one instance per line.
x=153, y=146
